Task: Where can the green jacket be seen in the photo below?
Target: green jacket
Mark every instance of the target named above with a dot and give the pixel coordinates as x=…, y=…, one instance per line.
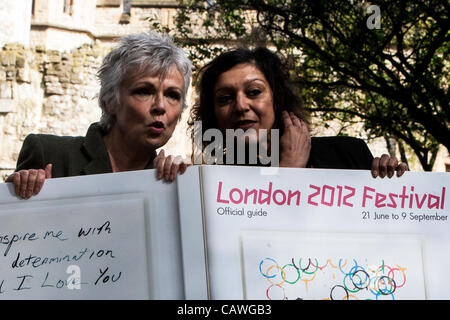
x=70, y=156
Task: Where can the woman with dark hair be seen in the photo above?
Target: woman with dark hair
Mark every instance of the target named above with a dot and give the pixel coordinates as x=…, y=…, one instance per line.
x=143, y=86
x=249, y=89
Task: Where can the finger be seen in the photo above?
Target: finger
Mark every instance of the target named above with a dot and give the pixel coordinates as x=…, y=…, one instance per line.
x=295, y=120
x=10, y=178
x=383, y=165
x=167, y=166
x=305, y=131
x=40, y=181
x=183, y=167
x=158, y=157
x=286, y=119
x=173, y=171
x=391, y=166
x=375, y=166
x=32, y=176
x=402, y=167
x=23, y=183
x=158, y=164
x=48, y=171
x=16, y=180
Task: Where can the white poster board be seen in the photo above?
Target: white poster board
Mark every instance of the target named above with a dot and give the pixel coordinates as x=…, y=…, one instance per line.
x=108, y=236
x=343, y=233
x=222, y=232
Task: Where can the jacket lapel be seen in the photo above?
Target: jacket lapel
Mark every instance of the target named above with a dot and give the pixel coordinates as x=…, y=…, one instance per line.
x=95, y=150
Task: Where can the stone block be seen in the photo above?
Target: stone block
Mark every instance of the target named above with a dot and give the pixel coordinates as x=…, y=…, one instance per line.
x=53, y=88
x=51, y=78
x=6, y=91
x=7, y=105
x=10, y=73
x=8, y=58
x=23, y=75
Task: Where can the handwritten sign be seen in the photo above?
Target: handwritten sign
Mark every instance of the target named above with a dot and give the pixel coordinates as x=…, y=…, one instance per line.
x=77, y=250
x=325, y=234
x=96, y=237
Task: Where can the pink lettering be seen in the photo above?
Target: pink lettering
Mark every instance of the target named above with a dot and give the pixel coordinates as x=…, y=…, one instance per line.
x=393, y=204
x=351, y=194
x=293, y=194
x=249, y=193
x=219, y=192
x=233, y=191
x=379, y=200
x=268, y=193
x=366, y=196
x=421, y=202
x=403, y=196
x=311, y=196
x=434, y=204
x=283, y=195
x=330, y=202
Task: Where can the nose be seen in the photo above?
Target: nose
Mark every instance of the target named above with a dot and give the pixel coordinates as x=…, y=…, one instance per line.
x=241, y=104
x=157, y=105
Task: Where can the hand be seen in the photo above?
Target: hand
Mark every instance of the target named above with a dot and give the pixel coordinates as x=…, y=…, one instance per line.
x=387, y=165
x=295, y=144
x=168, y=167
x=29, y=182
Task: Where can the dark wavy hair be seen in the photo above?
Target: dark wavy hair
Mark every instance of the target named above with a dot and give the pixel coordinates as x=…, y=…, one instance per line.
x=268, y=63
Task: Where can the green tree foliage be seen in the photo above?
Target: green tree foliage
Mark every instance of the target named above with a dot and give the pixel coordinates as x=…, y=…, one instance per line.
x=393, y=78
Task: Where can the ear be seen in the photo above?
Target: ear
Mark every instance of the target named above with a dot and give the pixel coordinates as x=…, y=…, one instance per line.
x=111, y=107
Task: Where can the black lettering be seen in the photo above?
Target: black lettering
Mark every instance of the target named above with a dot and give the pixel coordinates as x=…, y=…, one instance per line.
x=14, y=264
x=101, y=275
x=43, y=285
x=106, y=227
x=57, y=235
x=118, y=277
x=14, y=239
x=21, y=283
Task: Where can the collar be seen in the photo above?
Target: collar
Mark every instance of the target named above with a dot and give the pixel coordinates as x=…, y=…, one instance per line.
x=95, y=149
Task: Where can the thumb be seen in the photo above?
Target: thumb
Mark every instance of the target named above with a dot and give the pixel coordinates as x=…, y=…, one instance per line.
x=10, y=178
x=48, y=171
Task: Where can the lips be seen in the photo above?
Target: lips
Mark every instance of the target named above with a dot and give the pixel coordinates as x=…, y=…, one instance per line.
x=244, y=124
x=156, y=127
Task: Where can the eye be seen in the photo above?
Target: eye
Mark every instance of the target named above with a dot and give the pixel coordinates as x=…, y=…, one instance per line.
x=142, y=91
x=254, y=92
x=174, y=95
x=224, y=99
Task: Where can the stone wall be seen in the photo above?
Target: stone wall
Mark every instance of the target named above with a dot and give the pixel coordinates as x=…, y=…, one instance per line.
x=48, y=91
x=45, y=92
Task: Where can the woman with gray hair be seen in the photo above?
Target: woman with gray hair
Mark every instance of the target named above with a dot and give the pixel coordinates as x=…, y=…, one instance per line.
x=143, y=86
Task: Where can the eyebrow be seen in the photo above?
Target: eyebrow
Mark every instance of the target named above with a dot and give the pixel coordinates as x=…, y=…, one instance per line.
x=148, y=83
x=226, y=87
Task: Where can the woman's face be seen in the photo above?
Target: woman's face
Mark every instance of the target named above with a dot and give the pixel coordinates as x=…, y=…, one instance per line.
x=149, y=109
x=243, y=99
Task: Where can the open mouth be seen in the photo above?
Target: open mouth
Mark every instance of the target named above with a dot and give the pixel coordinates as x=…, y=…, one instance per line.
x=156, y=127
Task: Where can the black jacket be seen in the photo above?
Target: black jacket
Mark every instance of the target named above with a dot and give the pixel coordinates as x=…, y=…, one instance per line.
x=339, y=153
x=70, y=156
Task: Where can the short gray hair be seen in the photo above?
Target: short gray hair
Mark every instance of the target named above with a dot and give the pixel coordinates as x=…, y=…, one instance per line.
x=148, y=51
